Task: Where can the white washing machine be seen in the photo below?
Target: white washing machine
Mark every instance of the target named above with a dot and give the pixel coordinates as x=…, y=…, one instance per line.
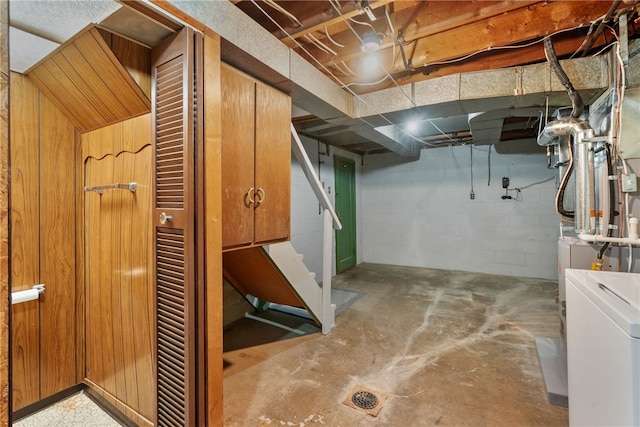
x=603, y=348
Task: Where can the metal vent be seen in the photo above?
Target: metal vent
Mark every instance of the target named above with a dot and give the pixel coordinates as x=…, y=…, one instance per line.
x=170, y=135
x=171, y=329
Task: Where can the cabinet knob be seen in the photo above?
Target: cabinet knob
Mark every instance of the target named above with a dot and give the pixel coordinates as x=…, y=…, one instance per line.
x=248, y=198
x=261, y=195
x=164, y=218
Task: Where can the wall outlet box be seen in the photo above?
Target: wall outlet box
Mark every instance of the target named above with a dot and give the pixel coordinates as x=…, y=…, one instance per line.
x=629, y=183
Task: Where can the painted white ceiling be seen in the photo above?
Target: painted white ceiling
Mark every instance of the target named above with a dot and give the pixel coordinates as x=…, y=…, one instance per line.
x=26, y=49
x=39, y=27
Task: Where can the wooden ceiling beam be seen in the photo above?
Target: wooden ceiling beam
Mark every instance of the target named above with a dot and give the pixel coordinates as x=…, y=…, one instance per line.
x=505, y=29
x=441, y=16
x=564, y=46
x=423, y=19
x=336, y=24
x=521, y=25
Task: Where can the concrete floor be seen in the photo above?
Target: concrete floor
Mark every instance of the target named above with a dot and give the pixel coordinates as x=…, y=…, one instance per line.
x=444, y=348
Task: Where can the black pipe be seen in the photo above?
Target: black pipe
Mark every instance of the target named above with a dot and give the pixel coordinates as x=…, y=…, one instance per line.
x=576, y=99
x=563, y=186
x=600, y=28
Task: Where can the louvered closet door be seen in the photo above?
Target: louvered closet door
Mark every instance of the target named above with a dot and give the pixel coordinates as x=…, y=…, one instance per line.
x=176, y=256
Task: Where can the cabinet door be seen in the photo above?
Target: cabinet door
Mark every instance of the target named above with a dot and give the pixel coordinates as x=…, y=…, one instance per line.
x=238, y=130
x=273, y=165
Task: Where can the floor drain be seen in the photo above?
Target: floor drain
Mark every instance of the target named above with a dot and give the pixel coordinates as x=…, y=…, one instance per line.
x=364, y=399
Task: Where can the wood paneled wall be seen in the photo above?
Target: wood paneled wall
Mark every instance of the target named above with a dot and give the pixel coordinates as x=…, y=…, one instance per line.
x=135, y=58
x=4, y=217
x=43, y=245
x=119, y=294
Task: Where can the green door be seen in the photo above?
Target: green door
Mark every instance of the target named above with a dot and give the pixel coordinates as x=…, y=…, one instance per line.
x=345, y=188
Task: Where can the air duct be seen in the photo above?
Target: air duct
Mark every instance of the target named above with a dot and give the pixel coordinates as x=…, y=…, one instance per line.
x=581, y=132
x=583, y=167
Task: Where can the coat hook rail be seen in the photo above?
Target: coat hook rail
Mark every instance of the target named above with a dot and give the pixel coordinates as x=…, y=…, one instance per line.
x=100, y=188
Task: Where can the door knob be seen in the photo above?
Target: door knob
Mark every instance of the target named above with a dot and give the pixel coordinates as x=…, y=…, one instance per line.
x=164, y=218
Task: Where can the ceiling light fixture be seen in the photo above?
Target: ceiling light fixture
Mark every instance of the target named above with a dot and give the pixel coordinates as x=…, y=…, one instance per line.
x=371, y=42
x=411, y=126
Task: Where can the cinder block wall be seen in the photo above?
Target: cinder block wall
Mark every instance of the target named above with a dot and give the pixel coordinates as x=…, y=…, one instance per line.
x=420, y=213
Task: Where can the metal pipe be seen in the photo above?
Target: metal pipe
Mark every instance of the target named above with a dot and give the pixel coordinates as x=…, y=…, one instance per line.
x=584, y=169
x=562, y=127
x=585, y=214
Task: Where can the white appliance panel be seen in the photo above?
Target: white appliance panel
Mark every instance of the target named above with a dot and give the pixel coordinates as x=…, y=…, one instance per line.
x=603, y=355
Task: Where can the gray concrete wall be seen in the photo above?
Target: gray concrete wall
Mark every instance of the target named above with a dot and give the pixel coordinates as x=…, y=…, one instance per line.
x=421, y=214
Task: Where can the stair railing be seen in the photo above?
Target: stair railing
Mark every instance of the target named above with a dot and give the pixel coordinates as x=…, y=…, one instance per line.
x=330, y=219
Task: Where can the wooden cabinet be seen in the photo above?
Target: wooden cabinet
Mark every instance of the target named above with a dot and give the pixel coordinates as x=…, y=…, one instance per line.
x=256, y=161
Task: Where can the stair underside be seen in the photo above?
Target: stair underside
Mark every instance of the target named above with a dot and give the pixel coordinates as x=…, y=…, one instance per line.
x=252, y=272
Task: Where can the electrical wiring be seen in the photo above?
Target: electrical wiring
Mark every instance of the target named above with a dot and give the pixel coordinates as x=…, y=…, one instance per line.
x=326, y=32
x=345, y=73
x=628, y=208
x=518, y=190
x=366, y=84
x=285, y=12
x=517, y=198
x=535, y=183
x=586, y=38
x=306, y=36
x=319, y=43
x=507, y=47
x=347, y=87
x=605, y=20
x=355, y=21
x=388, y=75
x=603, y=49
x=341, y=83
x=398, y=87
x=348, y=69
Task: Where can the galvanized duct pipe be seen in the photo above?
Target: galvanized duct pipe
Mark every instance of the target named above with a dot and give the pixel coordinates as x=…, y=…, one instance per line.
x=585, y=212
x=583, y=167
